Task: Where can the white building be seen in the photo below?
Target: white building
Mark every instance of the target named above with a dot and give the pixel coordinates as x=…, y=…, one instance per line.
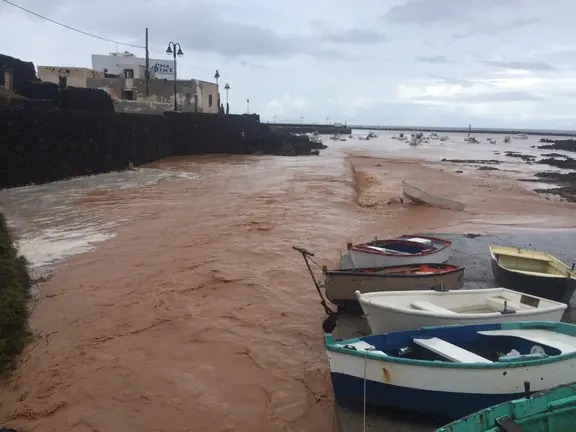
x=129, y=66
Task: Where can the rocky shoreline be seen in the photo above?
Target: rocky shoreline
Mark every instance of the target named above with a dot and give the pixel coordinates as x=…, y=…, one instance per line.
x=566, y=181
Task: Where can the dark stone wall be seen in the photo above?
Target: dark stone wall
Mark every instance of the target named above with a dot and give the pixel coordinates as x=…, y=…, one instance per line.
x=38, y=146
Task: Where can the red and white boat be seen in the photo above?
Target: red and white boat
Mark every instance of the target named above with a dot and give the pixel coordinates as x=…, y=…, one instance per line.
x=406, y=249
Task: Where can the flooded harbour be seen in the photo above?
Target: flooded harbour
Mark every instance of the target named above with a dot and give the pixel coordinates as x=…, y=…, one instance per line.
x=174, y=301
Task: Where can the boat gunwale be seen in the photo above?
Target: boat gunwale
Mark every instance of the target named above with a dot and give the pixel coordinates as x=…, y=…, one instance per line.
x=516, y=406
x=456, y=315
x=363, y=247
x=355, y=272
x=516, y=252
x=338, y=347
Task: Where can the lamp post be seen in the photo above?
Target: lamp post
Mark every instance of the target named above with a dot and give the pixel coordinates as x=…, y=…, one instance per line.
x=327, y=120
x=227, y=87
x=301, y=119
x=274, y=118
x=248, y=106
x=176, y=50
x=216, y=76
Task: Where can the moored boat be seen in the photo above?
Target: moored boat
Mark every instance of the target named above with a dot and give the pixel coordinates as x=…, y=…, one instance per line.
x=406, y=249
x=340, y=285
x=452, y=371
x=533, y=272
x=421, y=197
x=521, y=136
x=551, y=410
x=405, y=310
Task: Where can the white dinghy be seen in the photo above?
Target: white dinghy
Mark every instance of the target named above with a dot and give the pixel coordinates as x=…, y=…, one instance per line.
x=389, y=311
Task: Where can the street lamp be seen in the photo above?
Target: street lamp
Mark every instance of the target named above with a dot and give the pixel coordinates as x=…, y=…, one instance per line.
x=248, y=106
x=327, y=120
x=301, y=119
x=227, y=87
x=176, y=50
x=274, y=119
x=216, y=76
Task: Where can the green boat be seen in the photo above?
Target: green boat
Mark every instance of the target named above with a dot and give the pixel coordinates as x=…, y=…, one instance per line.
x=546, y=411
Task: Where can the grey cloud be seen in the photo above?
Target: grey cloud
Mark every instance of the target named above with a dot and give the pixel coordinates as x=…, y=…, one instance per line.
x=433, y=59
x=355, y=36
x=199, y=25
x=511, y=96
x=495, y=29
x=425, y=12
x=524, y=65
x=461, y=82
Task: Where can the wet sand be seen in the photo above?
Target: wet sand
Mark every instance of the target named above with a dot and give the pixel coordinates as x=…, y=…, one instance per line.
x=198, y=316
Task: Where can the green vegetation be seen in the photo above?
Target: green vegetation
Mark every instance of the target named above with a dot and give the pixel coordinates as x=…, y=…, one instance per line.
x=14, y=292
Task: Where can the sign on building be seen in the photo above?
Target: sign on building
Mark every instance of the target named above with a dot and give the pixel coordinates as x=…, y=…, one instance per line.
x=116, y=64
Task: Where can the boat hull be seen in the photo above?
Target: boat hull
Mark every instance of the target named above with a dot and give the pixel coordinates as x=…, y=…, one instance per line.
x=421, y=197
x=554, y=288
x=362, y=259
x=349, y=391
x=452, y=392
x=389, y=320
x=340, y=286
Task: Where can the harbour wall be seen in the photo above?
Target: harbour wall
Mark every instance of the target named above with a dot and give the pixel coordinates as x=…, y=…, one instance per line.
x=39, y=145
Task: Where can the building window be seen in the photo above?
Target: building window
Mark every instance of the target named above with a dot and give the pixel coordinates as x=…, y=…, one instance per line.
x=127, y=95
x=188, y=99
x=128, y=73
x=210, y=101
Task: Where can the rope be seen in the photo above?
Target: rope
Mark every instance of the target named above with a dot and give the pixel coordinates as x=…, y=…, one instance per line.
x=364, y=415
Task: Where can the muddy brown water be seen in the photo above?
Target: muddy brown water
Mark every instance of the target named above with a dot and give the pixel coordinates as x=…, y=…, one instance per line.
x=195, y=314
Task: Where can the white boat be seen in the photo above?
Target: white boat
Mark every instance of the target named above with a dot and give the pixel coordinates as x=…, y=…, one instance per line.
x=507, y=139
x=434, y=136
x=491, y=140
x=406, y=249
x=521, y=136
x=421, y=197
x=315, y=138
x=444, y=138
x=452, y=371
x=472, y=140
x=404, y=310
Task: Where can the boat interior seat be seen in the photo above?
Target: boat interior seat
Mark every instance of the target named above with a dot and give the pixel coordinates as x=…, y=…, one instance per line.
x=364, y=346
x=562, y=342
x=431, y=307
x=450, y=351
x=498, y=304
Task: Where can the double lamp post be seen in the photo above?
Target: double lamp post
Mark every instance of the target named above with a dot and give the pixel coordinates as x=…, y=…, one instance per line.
x=176, y=50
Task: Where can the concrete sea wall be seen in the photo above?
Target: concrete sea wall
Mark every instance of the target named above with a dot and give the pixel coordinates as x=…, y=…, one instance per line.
x=38, y=146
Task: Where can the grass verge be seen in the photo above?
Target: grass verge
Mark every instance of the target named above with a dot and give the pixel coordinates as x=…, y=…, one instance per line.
x=15, y=285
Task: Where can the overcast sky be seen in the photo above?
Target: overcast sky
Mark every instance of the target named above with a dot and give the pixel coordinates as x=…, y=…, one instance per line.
x=500, y=63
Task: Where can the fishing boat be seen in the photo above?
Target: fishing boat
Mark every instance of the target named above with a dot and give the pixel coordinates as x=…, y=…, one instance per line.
x=533, y=272
x=421, y=197
x=444, y=138
x=521, y=136
x=340, y=285
x=551, y=410
x=403, y=250
x=507, y=139
x=452, y=371
x=405, y=310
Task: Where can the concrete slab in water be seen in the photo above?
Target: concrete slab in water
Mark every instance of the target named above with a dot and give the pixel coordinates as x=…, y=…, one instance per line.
x=472, y=252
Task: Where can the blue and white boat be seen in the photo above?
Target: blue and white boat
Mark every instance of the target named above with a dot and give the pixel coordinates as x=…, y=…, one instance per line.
x=452, y=371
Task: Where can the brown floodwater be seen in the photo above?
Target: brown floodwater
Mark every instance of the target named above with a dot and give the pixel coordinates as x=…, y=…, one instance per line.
x=188, y=310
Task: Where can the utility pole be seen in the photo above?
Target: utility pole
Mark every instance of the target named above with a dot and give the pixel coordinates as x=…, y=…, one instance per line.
x=147, y=72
